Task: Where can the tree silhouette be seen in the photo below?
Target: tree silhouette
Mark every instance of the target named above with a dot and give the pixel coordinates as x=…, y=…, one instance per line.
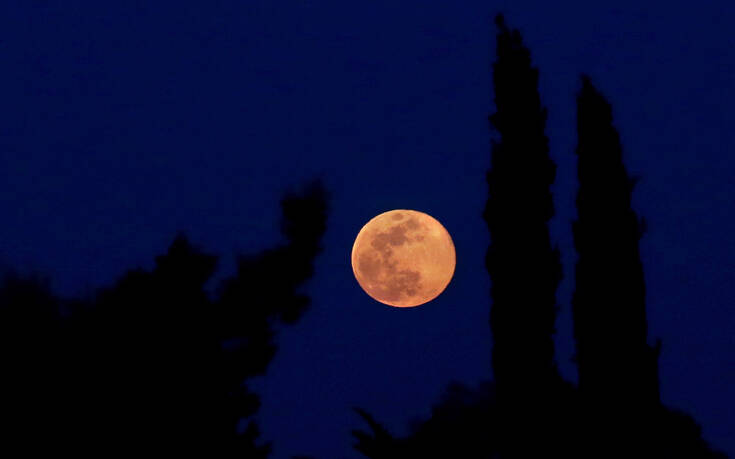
x=524, y=268
x=618, y=369
x=153, y=365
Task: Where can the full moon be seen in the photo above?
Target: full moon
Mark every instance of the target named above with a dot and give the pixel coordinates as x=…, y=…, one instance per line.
x=403, y=258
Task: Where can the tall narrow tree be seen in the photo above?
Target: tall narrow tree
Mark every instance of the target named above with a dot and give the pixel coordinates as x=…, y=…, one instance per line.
x=618, y=370
x=613, y=355
x=617, y=367
x=524, y=268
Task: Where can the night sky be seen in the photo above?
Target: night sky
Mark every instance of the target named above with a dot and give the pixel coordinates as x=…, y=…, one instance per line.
x=123, y=124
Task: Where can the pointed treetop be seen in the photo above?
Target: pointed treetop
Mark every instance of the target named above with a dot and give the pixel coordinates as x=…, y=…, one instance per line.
x=500, y=21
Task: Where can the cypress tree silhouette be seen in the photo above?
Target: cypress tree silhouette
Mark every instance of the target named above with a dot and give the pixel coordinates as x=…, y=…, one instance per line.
x=524, y=268
x=618, y=369
x=153, y=365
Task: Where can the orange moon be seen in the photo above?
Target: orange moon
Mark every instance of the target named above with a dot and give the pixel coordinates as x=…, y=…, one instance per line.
x=403, y=258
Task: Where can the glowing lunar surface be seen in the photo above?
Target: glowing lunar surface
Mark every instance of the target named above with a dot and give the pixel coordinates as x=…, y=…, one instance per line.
x=403, y=258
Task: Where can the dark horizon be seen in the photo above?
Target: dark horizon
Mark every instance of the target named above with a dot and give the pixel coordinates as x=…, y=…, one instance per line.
x=129, y=126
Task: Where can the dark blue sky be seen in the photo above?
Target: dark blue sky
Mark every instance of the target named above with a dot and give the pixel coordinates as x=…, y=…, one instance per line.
x=121, y=125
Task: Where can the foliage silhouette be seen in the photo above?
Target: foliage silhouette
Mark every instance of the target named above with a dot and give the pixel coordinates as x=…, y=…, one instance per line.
x=152, y=364
x=29, y=359
x=529, y=411
x=462, y=424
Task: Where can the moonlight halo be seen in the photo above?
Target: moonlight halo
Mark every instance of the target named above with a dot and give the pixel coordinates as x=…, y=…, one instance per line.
x=403, y=258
